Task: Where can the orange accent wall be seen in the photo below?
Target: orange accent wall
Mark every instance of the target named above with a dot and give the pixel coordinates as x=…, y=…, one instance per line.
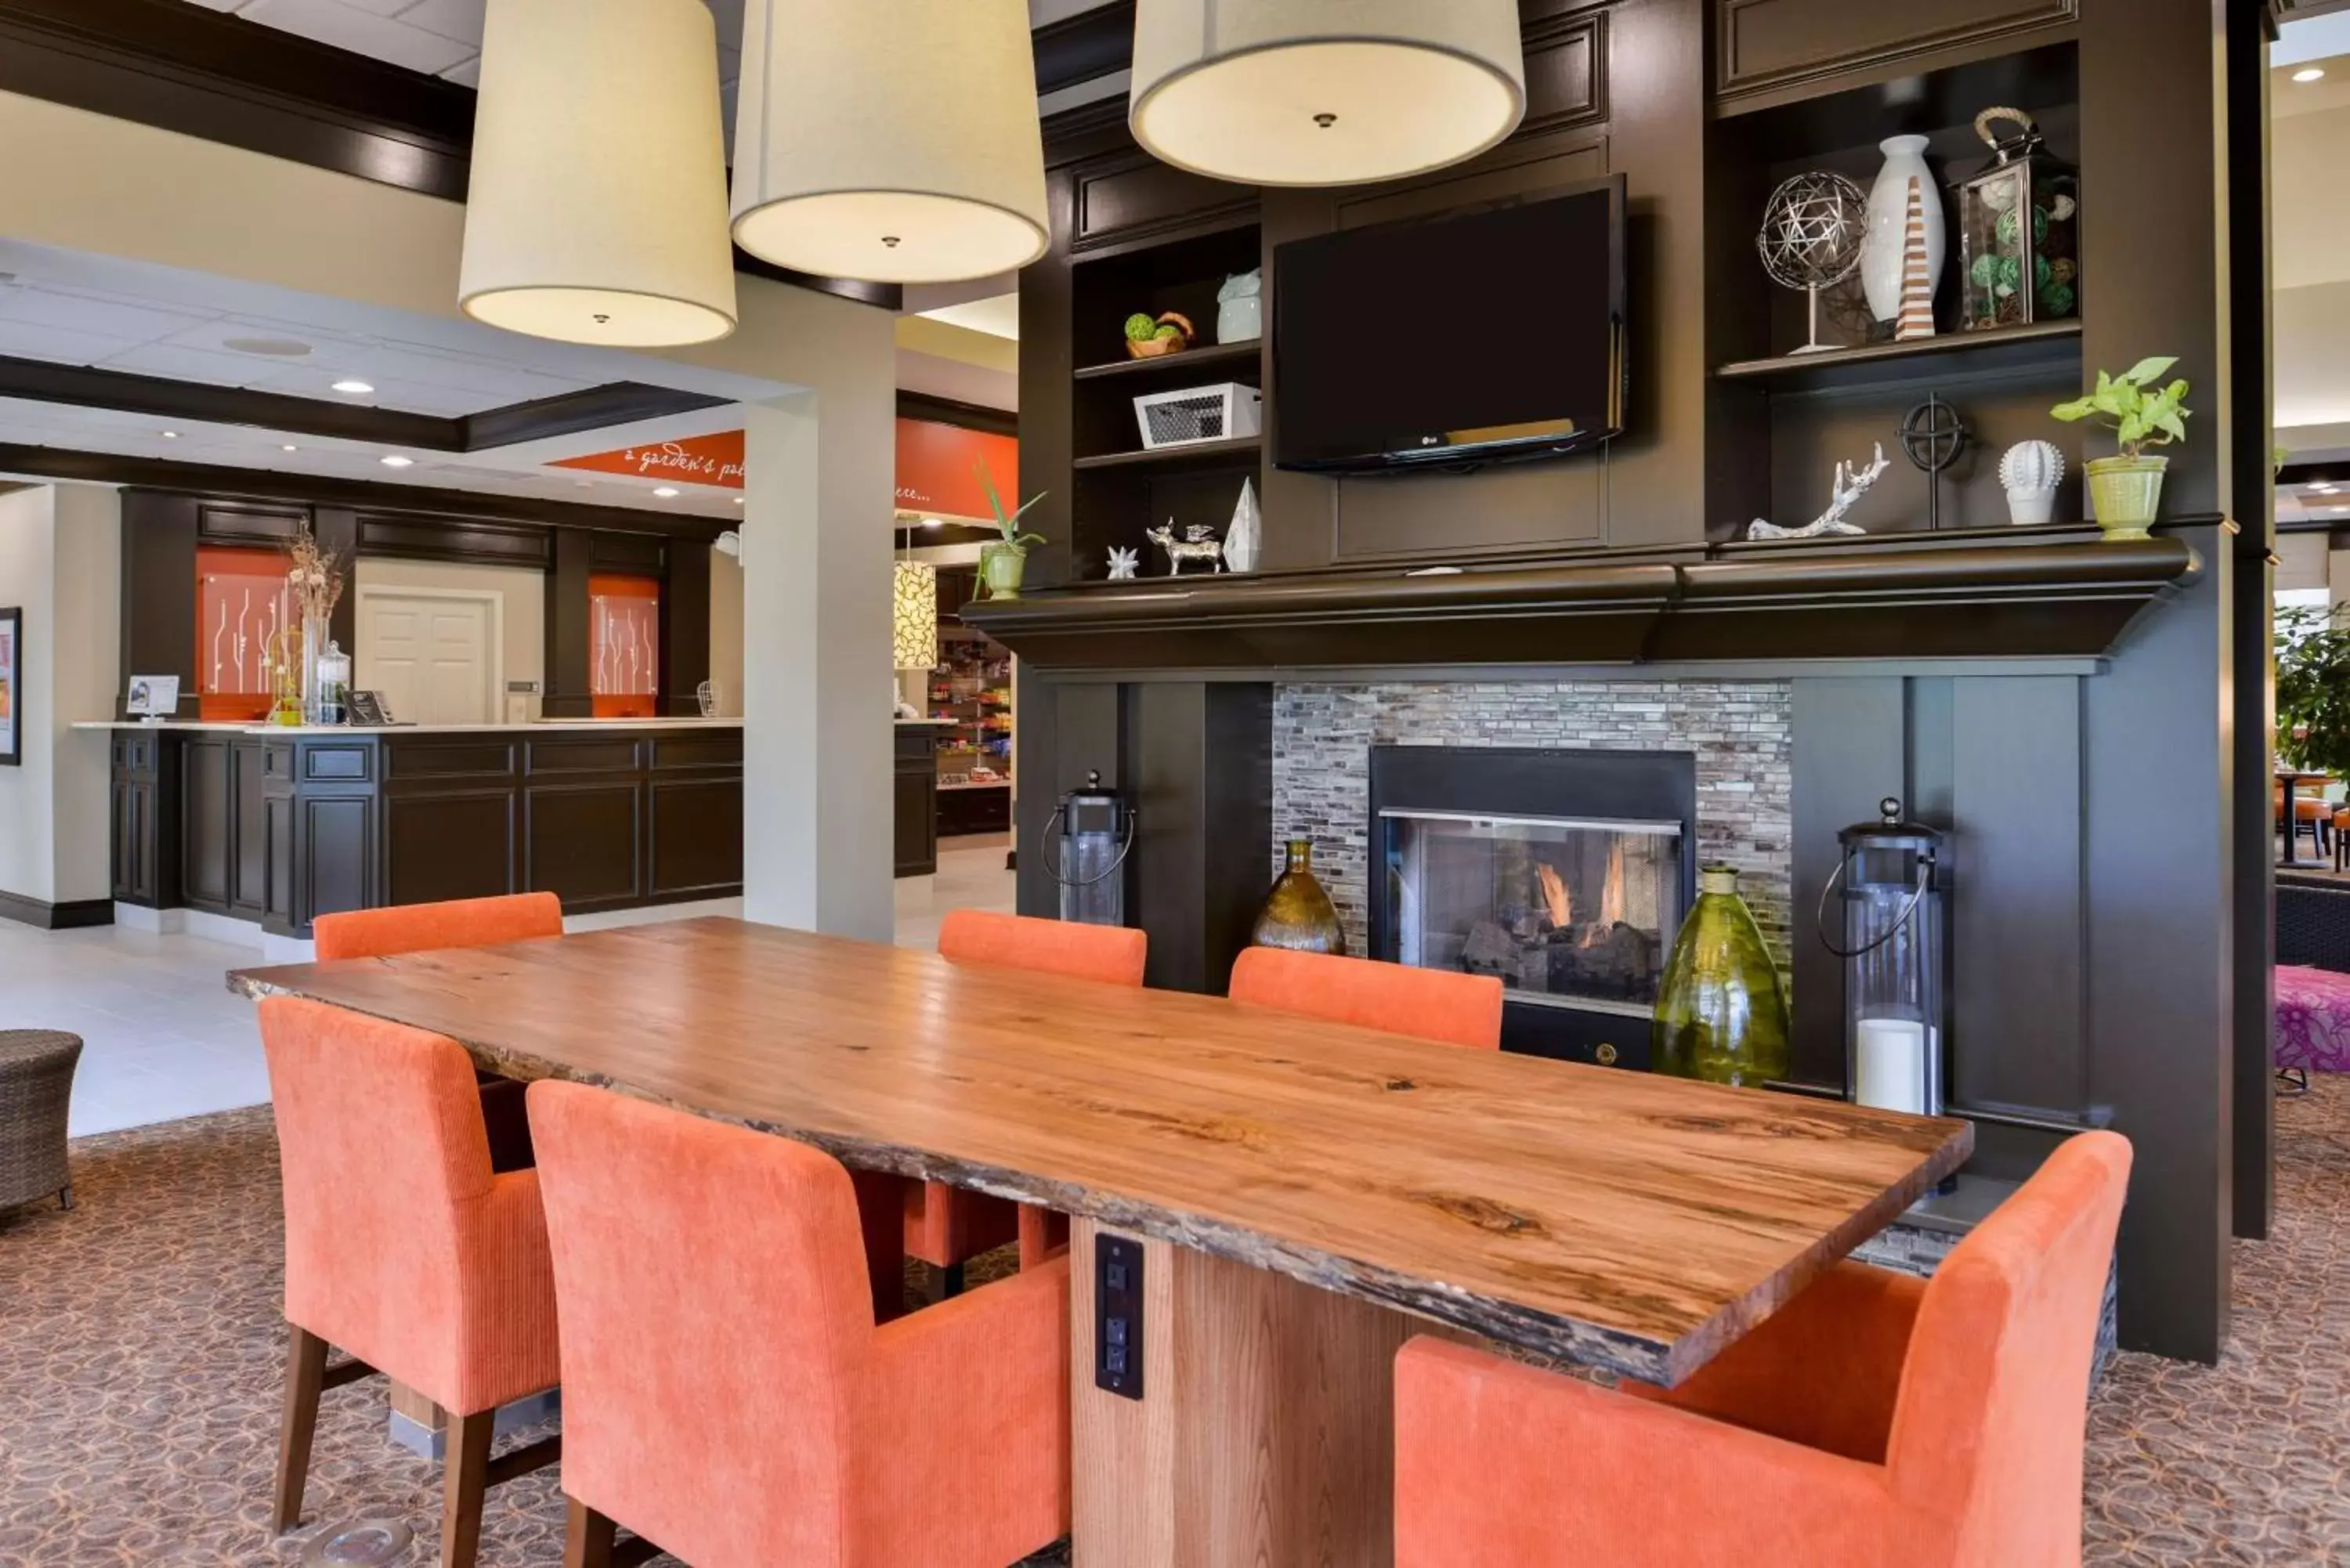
x=241, y=599
x=624, y=645
x=711, y=460
x=938, y=469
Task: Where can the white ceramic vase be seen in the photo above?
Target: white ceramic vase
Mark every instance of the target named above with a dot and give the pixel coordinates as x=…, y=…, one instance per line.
x=1888, y=225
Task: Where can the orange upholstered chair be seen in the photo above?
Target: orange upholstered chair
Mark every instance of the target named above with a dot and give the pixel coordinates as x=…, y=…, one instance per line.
x=726, y=1394
x=945, y=1227
x=458, y=923
x=1876, y=1419
x=1431, y=1003
x=402, y=1246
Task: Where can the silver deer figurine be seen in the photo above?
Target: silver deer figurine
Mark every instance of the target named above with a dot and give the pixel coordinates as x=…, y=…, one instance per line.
x=1198, y=543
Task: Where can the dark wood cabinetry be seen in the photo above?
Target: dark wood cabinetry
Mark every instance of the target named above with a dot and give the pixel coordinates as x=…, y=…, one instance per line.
x=915, y=805
x=279, y=831
x=1766, y=44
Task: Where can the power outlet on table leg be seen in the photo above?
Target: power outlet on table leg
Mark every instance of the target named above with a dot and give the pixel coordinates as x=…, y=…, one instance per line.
x=1117, y=1317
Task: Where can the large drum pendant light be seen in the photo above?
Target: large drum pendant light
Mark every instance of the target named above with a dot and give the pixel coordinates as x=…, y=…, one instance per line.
x=598, y=210
x=890, y=141
x=1324, y=92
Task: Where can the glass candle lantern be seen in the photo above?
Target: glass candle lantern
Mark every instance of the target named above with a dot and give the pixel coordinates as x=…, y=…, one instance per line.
x=1097, y=828
x=2019, y=230
x=334, y=695
x=1890, y=939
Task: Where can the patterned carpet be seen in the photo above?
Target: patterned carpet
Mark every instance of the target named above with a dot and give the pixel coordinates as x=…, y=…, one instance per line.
x=141, y=1353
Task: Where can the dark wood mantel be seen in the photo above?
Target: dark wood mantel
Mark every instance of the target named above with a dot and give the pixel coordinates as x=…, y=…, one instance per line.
x=2067, y=596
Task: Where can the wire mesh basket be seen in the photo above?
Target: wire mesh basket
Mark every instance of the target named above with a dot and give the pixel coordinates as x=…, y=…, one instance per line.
x=1224, y=412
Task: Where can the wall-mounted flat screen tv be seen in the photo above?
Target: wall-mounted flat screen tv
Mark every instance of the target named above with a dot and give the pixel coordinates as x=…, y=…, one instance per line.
x=1494, y=336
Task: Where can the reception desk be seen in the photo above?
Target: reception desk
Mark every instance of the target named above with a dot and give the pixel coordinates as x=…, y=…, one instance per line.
x=277, y=826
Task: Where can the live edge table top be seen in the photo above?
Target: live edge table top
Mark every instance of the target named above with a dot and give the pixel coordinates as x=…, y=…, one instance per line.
x=1589, y=1214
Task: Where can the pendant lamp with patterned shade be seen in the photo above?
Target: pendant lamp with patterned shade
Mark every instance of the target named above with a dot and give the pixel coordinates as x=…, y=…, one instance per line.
x=890, y=141
x=597, y=208
x=1324, y=92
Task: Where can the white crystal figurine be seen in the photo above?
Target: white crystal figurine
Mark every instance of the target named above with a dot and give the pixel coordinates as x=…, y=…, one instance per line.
x=1244, y=540
x=2031, y=471
x=1124, y=564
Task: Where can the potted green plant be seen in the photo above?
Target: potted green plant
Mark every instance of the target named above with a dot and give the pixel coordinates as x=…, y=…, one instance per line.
x=1003, y=563
x=2313, y=688
x=2127, y=490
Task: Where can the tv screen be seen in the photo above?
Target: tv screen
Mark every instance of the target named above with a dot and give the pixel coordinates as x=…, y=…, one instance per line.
x=1453, y=340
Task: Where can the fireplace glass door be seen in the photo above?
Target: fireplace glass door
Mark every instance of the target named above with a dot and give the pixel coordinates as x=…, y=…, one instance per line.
x=1566, y=912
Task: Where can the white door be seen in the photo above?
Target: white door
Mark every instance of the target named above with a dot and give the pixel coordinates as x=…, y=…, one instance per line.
x=434, y=656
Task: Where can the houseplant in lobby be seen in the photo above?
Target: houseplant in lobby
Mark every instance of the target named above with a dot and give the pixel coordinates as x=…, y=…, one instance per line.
x=2127, y=490
x=2313, y=688
x=1004, y=563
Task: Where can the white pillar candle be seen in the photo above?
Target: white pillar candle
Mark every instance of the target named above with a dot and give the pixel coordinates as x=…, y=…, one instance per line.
x=1889, y=1065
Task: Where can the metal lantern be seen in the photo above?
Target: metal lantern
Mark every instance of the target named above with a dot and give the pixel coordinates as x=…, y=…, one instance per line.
x=2019, y=230
x=1096, y=828
x=1892, y=889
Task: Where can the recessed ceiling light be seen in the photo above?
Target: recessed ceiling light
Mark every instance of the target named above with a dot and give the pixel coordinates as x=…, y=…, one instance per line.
x=287, y=447
x=2309, y=74
x=355, y=387
x=396, y=461
x=170, y=435
x=739, y=501
x=934, y=522
x=665, y=492
x=275, y=347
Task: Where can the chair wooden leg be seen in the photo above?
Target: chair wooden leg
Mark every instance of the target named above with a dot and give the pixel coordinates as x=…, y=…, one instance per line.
x=942, y=1284
x=305, y=1375
x=586, y=1537
x=466, y=1478
x=65, y=1196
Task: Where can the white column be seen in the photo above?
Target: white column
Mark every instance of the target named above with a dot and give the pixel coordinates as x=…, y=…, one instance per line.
x=817, y=674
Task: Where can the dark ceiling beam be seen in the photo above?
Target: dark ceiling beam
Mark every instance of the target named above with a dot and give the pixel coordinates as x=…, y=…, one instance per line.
x=220, y=483
x=1085, y=46
x=81, y=386
x=955, y=411
x=220, y=77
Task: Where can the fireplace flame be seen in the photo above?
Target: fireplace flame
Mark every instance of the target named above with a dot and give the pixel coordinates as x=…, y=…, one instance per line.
x=1555, y=898
x=1611, y=896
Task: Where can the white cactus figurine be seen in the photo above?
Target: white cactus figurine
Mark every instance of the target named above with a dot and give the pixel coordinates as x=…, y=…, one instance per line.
x=2031, y=471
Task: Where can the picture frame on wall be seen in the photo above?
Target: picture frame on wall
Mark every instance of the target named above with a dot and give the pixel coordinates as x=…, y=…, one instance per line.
x=12, y=688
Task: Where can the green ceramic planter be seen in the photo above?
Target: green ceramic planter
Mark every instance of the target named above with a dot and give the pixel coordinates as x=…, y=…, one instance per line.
x=1001, y=568
x=1720, y=1015
x=2126, y=492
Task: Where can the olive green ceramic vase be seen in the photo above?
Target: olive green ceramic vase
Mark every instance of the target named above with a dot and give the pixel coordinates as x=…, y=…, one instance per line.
x=1721, y=1014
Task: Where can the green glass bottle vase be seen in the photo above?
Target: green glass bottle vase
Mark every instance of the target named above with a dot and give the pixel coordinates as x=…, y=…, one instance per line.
x=1720, y=1014
x=1298, y=912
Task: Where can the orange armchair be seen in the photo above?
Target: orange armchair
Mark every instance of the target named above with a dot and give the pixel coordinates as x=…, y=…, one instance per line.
x=727, y=1395
x=1875, y=1419
x=458, y=923
x=1431, y=1003
x=402, y=1247
x=945, y=1226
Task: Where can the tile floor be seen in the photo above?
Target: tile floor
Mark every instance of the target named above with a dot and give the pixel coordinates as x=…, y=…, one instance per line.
x=162, y=1038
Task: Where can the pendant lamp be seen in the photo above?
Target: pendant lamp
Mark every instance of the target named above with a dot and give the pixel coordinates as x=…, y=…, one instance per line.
x=597, y=208
x=1324, y=92
x=914, y=615
x=890, y=141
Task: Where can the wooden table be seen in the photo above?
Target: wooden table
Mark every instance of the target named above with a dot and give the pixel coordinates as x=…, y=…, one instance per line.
x=2288, y=780
x=1305, y=1194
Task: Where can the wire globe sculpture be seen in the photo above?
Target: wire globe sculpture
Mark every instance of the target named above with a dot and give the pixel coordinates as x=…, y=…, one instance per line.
x=1813, y=230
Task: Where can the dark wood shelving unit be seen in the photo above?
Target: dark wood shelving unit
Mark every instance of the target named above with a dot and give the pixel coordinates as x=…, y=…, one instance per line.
x=1952, y=353
x=1194, y=455
x=1235, y=357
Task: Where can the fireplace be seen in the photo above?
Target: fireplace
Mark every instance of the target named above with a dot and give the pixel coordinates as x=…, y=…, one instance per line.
x=1564, y=873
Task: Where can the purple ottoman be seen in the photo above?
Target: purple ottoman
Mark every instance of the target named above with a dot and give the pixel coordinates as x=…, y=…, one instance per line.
x=2313, y=1019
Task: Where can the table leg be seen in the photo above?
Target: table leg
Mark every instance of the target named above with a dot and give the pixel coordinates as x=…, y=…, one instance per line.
x=1266, y=1432
x=2292, y=825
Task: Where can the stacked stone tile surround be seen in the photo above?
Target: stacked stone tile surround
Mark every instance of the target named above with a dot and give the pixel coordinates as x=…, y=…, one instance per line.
x=1742, y=733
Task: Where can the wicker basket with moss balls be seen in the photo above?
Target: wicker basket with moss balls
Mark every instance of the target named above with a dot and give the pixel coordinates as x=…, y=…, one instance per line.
x=1152, y=336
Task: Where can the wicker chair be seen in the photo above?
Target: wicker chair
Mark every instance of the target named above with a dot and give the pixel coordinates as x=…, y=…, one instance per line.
x=36, y=1069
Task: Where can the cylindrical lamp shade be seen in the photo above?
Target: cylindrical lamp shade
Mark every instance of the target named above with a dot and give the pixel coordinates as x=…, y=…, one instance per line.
x=890, y=141
x=914, y=615
x=1324, y=92
x=598, y=209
